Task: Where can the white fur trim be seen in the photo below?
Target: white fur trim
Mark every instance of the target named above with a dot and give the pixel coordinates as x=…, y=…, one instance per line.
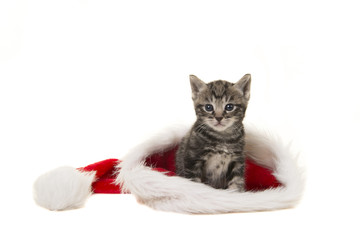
x=182, y=195
x=63, y=188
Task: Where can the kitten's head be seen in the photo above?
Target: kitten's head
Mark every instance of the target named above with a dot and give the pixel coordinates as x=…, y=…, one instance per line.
x=220, y=104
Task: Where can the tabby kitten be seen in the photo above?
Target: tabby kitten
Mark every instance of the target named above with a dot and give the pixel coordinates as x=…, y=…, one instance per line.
x=213, y=150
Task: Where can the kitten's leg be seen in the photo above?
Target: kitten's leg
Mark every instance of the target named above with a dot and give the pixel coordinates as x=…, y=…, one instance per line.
x=195, y=174
x=237, y=181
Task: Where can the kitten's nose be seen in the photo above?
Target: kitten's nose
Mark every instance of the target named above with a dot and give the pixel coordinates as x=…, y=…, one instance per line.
x=219, y=119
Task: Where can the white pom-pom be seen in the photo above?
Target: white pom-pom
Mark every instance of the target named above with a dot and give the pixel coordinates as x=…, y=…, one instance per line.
x=63, y=188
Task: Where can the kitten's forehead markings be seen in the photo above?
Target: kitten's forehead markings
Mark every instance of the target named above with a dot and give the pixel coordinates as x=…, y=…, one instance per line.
x=219, y=93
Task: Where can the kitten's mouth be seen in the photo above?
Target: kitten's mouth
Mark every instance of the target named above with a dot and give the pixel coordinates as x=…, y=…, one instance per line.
x=220, y=126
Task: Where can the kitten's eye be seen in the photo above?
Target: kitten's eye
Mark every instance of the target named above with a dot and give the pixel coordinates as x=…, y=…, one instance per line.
x=209, y=108
x=229, y=107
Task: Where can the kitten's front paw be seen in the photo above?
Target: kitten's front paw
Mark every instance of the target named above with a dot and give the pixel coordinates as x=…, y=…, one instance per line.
x=196, y=179
x=234, y=187
x=237, y=184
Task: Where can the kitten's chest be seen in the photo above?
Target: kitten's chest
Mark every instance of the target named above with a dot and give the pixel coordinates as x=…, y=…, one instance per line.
x=217, y=162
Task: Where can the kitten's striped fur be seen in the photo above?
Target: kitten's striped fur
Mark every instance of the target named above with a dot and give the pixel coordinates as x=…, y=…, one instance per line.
x=212, y=151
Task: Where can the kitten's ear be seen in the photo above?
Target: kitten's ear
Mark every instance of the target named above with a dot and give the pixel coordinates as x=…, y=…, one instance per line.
x=243, y=85
x=196, y=85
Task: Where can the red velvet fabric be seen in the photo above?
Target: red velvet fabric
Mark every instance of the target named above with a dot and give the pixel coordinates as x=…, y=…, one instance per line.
x=257, y=178
x=105, y=176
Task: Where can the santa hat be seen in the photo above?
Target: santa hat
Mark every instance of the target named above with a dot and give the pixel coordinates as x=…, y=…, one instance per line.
x=273, y=179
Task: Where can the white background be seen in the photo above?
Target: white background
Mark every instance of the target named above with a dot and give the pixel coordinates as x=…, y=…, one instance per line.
x=82, y=81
